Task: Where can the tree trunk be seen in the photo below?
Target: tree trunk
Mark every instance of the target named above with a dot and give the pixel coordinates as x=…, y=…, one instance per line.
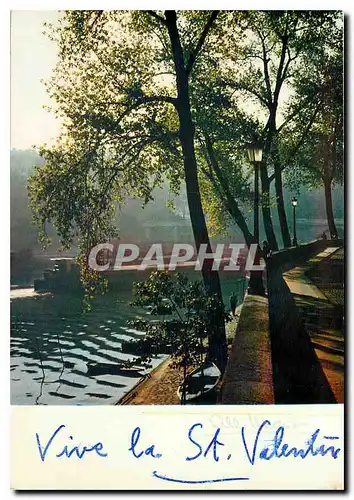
x=229, y=200
x=279, y=190
x=329, y=207
x=239, y=219
x=267, y=217
x=217, y=338
x=280, y=206
x=256, y=281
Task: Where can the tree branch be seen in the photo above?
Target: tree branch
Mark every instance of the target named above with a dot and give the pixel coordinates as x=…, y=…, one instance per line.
x=301, y=140
x=266, y=74
x=211, y=178
x=246, y=88
x=231, y=203
x=288, y=62
x=98, y=15
x=294, y=114
x=156, y=16
x=305, y=132
x=162, y=98
x=279, y=78
x=136, y=103
x=209, y=174
x=116, y=170
x=198, y=47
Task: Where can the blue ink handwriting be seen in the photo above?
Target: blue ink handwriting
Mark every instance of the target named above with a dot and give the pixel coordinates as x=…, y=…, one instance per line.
x=68, y=450
x=198, y=481
x=280, y=449
x=150, y=451
x=214, y=443
x=270, y=442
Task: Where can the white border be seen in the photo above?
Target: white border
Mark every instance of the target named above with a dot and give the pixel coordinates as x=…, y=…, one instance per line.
x=346, y=6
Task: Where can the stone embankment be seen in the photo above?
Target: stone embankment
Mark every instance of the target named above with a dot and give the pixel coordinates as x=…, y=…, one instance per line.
x=281, y=351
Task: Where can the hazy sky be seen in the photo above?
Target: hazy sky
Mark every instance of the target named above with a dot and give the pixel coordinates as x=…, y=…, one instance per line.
x=33, y=56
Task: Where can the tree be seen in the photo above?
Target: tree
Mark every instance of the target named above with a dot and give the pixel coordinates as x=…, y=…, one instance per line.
x=225, y=189
x=221, y=133
x=263, y=54
x=222, y=130
x=319, y=156
x=119, y=74
x=192, y=313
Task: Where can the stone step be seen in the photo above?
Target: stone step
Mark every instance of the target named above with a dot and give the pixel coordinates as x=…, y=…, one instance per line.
x=328, y=359
x=322, y=323
x=329, y=335
x=327, y=347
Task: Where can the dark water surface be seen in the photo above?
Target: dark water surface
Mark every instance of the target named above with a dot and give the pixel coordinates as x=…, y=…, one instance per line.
x=52, y=334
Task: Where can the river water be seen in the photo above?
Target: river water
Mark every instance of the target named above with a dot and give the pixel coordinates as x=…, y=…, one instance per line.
x=53, y=340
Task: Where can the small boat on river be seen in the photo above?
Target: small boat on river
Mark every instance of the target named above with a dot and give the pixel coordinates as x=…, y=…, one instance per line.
x=203, y=380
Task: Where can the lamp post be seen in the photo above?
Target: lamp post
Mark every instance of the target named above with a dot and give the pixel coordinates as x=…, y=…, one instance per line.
x=255, y=150
x=294, y=204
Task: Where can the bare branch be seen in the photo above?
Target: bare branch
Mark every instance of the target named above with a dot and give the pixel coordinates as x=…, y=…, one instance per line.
x=300, y=141
x=293, y=115
x=279, y=78
x=200, y=43
x=242, y=86
x=266, y=74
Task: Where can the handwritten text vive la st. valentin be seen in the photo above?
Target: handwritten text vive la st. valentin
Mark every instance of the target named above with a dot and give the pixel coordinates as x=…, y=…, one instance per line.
x=254, y=448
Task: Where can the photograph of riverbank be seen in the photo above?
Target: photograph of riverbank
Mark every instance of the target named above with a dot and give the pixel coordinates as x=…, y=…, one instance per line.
x=54, y=342
x=177, y=217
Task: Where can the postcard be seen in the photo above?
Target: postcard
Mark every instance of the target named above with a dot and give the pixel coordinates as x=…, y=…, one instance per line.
x=177, y=250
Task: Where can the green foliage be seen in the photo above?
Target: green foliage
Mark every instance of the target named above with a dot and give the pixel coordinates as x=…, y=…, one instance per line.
x=119, y=134
x=226, y=128
x=69, y=191
x=115, y=87
x=251, y=84
x=317, y=155
x=192, y=314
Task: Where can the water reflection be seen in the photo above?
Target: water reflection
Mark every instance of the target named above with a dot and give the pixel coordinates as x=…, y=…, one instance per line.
x=53, y=341
x=53, y=344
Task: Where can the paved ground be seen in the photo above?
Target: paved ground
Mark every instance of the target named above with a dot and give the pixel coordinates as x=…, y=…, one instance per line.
x=298, y=279
x=160, y=388
x=248, y=377
x=317, y=287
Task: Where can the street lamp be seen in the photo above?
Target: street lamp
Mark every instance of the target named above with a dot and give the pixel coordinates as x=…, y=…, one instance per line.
x=294, y=204
x=255, y=151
